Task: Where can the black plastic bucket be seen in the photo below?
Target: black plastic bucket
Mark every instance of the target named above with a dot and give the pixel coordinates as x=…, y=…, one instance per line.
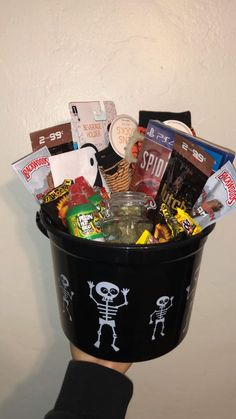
x=124, y=303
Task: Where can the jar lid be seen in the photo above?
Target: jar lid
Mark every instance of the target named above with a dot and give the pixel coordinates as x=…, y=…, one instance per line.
x=129, y=198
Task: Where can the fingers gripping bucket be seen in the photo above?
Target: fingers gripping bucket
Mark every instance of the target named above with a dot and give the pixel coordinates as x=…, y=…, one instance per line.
x=124, y=303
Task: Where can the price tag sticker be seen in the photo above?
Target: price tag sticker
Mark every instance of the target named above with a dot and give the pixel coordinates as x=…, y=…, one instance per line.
x=58, y=138
x=121, y=129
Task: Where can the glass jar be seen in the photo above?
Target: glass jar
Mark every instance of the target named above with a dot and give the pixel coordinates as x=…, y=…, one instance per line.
x=127, y=217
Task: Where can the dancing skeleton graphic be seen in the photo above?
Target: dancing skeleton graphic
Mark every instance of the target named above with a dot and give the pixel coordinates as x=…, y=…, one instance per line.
x=67, y=294
x=159, y=315
x=106, y=308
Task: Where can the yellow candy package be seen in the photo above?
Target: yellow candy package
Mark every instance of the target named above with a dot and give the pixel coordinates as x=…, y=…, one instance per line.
x=189, y=225
x=146, y=238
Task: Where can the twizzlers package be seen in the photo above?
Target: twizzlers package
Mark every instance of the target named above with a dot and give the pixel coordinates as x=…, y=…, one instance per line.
x=218, y=197
x=34, y=171
x=152, y=159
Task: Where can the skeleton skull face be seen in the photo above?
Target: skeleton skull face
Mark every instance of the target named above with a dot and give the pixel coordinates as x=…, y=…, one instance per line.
x=107, y=290
x=162, y=301
x=64, y=281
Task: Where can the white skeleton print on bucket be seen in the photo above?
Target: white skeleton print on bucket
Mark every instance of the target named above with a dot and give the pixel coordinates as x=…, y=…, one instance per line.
x=106, y=307
x=158, y=316
x=67, y=295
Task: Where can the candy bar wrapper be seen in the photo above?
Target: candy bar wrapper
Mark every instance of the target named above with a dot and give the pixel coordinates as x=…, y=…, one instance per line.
x=218, y=197
x=162, y=233
x=146, y=238
x=188, y=169
x=58, y=139
x=35, y=173
x=55, y=203
x=190, y=226
x=176, y=229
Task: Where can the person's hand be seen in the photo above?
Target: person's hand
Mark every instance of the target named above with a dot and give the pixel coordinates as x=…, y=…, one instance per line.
x=79, y=355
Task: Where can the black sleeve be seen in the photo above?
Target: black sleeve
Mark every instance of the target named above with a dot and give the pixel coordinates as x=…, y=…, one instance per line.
x=92, y=391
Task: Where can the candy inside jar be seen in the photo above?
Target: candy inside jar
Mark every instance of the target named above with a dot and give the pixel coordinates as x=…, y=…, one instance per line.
x=127, y=217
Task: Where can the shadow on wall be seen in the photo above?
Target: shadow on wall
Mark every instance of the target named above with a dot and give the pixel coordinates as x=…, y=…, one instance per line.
x=36, y=394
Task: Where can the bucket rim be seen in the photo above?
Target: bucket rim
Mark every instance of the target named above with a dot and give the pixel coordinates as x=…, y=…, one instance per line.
x=45, y=225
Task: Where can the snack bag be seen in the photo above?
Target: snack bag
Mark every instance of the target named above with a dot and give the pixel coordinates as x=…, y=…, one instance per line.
x=82, y=219
x=162, y=233
x=55, y=203
x=190, y=226
x=35, y=172
x=146, y=238
x=218, y=197
x=176, y=229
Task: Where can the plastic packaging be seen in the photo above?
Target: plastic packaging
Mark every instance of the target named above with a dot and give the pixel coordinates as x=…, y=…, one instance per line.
x=82, y=219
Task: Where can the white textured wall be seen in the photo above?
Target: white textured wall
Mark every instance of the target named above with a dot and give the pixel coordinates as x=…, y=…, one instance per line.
x=144, y=54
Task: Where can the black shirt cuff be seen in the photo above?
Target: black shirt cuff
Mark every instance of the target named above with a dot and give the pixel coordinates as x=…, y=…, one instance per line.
x=92, y=390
